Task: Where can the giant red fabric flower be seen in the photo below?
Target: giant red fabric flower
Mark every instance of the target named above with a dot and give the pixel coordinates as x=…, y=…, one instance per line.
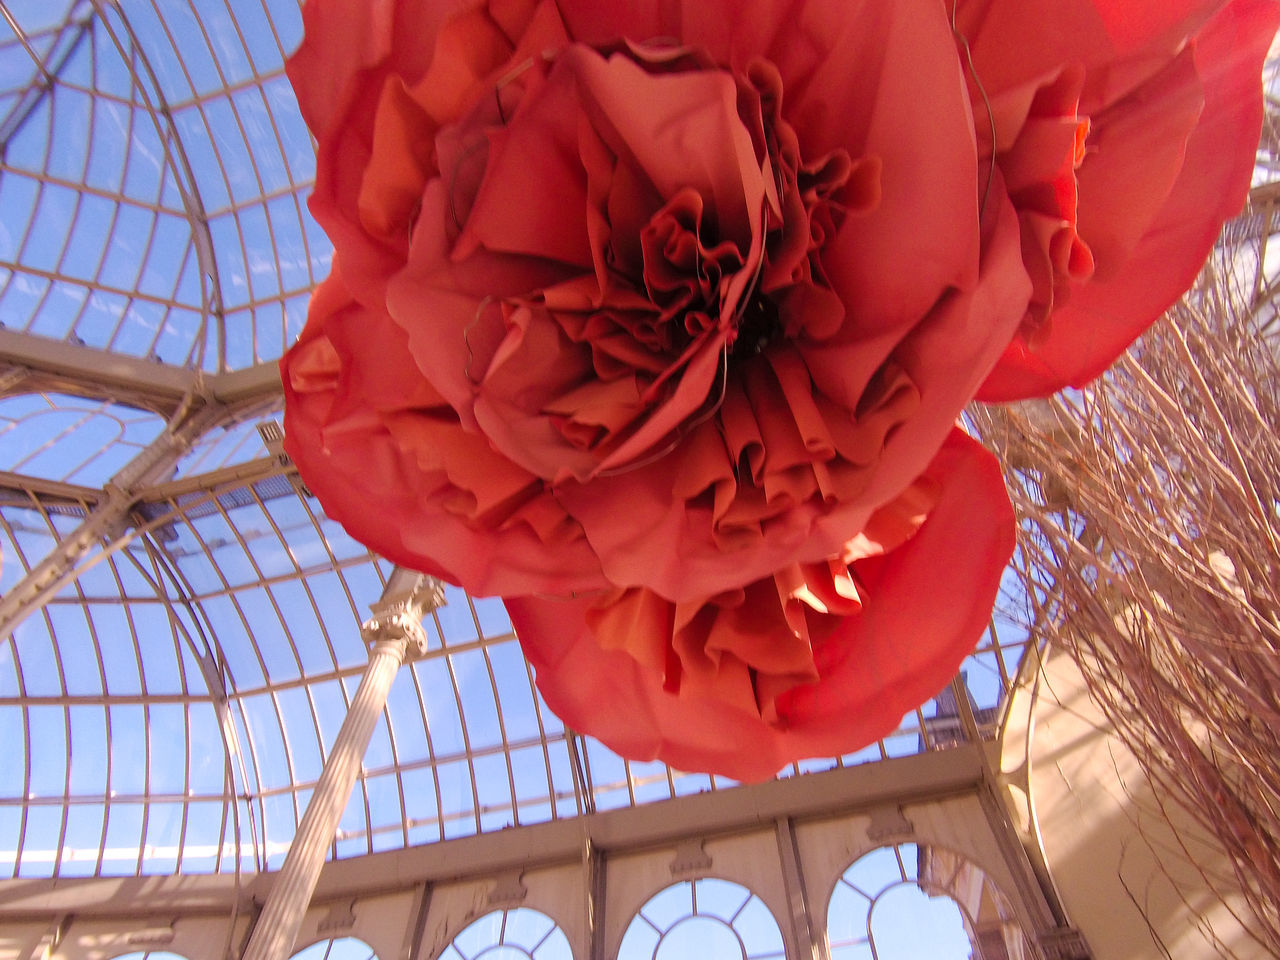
x=815, y=660
x=671, y=309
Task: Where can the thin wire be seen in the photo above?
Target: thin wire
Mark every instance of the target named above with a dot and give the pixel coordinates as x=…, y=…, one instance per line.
x=467, y=154
x=466, y=338
x=507, y=78
x=986, y=102
x=722, y=371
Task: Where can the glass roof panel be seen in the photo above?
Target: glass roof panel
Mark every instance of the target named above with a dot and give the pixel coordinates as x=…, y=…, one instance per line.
x=226, y=445
x=39, y=16
x=220, y=73
x=109, y=690
x=105, y=254
x=198, y=666
x=71, y=439
x=176, y=228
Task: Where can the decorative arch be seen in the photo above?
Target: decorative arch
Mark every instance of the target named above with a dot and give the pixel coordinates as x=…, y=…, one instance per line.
x=909, y=900
x=150, y=955
x=337, y=948
x=71, y=439
x=708, y=917
x=517, y=933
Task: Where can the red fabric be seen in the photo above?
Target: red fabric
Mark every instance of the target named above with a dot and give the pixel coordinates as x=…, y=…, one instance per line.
x=845, y=684
x=665, y=310
x=1171, y=95
x=426, y=494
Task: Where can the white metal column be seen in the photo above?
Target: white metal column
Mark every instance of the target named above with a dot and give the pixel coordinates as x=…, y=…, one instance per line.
x=394, y=634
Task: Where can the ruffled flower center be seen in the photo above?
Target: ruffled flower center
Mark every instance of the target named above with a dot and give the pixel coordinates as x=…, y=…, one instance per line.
x=699, y=249
x=750, y=647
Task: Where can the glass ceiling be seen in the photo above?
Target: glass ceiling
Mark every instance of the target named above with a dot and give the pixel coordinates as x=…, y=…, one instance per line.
x=179, y=621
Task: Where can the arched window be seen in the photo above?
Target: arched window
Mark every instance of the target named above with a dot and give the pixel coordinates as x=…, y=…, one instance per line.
x=518, y=934
x=72, y=439
x=903, y=902
x=707, y=919
x=337, y=948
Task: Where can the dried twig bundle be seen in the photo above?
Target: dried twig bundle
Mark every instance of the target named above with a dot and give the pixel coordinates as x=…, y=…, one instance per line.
x=1151, y=546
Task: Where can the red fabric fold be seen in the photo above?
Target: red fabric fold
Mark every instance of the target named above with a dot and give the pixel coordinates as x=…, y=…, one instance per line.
x=426, y=493
x=1171, y=93
x=775, y=673
x=672, y=308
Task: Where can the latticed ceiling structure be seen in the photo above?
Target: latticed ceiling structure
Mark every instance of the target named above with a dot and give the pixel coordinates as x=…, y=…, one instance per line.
x=180, y=625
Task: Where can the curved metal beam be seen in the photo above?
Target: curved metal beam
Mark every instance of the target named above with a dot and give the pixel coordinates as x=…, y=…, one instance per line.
x=41, y=364
x=48, y=69
x=184, y=177
x=110, y=518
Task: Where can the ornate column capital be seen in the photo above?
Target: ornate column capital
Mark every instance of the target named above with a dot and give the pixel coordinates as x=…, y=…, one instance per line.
x=397, y=616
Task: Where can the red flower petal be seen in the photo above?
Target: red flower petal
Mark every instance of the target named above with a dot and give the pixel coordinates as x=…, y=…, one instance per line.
x=391, y=463
x=349, y=54
x=943, y=360
x=1118, y=42
x=686, y=327
x=1142, y=174
x=927, y=603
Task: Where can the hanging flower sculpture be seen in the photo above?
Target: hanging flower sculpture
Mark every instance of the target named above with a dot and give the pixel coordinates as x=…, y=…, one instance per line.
x=657, y=319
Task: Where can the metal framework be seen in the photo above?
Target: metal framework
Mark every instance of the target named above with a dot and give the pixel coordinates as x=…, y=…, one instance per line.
x=771, y=843
x=180, y=625
x=174, y=604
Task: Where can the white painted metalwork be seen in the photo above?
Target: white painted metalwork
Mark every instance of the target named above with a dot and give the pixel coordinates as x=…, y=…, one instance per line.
x=185, y=634
x=394, y=633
